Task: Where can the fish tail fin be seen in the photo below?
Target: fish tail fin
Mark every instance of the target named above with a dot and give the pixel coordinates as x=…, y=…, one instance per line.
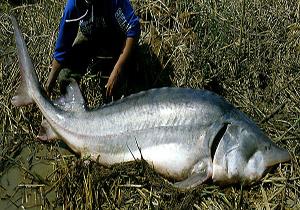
x=29, y=82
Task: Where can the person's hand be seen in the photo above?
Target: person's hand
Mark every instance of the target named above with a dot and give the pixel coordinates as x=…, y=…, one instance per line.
x=112, y=80
x=115, y=74
x=56, y=67
x=50, y=83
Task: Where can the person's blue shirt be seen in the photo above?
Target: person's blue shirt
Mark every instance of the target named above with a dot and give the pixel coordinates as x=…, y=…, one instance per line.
x=102, y=16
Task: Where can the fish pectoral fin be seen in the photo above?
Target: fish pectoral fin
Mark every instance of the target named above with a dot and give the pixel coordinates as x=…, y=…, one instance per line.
x=201, y=172
x=46, y=133
x=73, y=100
x=193, y=180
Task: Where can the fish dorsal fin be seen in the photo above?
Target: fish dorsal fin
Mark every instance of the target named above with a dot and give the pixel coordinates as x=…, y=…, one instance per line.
x=73, y=100
x=46, y=133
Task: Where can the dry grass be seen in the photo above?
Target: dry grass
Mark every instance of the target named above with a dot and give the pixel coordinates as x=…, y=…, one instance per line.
x=247, y=51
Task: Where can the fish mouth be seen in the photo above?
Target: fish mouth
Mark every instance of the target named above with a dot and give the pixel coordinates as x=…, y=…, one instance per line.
x=271, y=168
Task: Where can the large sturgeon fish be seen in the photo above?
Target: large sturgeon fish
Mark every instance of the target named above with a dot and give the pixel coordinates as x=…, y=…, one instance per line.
x=185, y=134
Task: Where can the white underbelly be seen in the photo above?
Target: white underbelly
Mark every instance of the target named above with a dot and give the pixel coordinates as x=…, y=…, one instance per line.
x=169, y=159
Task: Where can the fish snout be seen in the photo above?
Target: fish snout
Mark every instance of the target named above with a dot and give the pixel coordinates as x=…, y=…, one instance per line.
x=275, y=156
x=263, y=160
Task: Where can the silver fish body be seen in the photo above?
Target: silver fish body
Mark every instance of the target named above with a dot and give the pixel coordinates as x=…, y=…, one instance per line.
x=185, y=134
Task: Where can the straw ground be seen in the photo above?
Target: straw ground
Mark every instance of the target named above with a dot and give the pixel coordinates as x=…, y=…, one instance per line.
x=247, y=51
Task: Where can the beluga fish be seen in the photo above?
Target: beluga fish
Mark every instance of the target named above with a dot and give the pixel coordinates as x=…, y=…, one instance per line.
x=186, y=135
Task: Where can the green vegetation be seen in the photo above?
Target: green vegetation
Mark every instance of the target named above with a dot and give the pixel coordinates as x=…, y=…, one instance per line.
x=247, y=51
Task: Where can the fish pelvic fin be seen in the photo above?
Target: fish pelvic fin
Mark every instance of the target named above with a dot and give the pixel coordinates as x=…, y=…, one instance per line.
x=46, y=133
x=29, y=81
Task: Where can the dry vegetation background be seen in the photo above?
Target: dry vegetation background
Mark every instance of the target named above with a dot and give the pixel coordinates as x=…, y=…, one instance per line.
x=246, y=50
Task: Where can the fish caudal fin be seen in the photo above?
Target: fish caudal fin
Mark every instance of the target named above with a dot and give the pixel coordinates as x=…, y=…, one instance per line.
x=29, y=80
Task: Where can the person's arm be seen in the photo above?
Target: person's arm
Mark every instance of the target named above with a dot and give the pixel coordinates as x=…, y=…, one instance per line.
x=123, y=58
x=66, y=36
x=132, y=31
x=55, y=69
